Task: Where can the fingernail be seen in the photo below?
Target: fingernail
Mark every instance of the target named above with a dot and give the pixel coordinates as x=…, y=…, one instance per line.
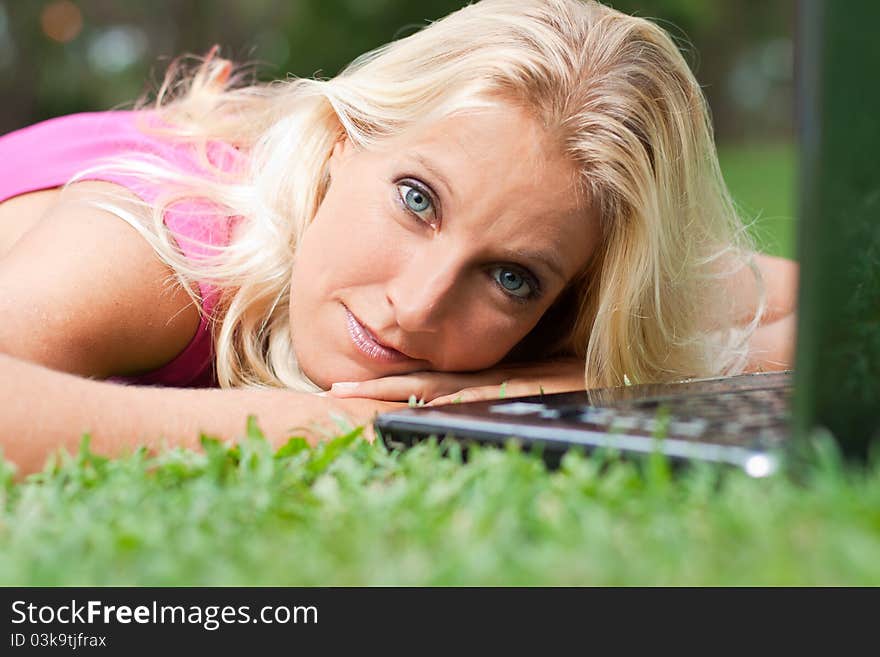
x=344, y=386
x=321, y=394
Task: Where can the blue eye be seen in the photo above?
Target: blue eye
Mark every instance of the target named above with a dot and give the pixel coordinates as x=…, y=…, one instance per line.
x=417, y=201
x=513, y=282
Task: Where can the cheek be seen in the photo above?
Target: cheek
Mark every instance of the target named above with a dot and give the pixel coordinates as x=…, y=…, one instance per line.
x=354, y=229
x=329, y=246
x=311, y=278
x=337, y=252
x=484, y=338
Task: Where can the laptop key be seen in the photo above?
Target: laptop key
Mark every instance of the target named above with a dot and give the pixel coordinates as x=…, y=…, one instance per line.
x=625, y=423
x=690, y=429
x=601, y=416
x=518, y=408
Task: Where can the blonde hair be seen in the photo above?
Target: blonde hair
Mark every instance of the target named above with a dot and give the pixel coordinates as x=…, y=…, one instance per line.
x=612, y=91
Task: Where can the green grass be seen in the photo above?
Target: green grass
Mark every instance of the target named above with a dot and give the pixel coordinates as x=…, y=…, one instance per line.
x=761, y=178
x=348, y=512
x=351, y=513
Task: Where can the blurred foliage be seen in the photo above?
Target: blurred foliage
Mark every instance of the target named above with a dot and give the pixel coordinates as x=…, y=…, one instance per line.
x=61, y=56
x=761, y=178
x=350, y=513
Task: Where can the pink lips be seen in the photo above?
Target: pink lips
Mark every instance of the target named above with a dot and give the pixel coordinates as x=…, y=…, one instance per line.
x=366, y=342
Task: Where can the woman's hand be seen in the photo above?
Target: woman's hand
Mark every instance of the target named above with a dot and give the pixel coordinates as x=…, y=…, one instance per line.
x=435, y=388
x=357, y=412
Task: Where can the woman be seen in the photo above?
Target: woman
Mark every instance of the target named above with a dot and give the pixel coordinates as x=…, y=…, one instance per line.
x=522, y=192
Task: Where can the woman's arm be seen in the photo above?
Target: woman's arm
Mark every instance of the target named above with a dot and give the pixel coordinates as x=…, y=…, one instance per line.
x=781, y=277
x=560, y=374
x=44, y=410
x=772, y=347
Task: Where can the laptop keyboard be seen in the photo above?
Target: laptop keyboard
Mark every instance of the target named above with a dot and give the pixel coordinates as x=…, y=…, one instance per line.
x=723, y=418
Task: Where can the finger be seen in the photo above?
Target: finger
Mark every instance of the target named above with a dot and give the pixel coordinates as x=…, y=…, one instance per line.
x=494, y=392
x=389, y=388
x=479, y=393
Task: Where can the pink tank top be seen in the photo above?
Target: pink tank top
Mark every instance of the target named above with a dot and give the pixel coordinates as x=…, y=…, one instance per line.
x=50, y=153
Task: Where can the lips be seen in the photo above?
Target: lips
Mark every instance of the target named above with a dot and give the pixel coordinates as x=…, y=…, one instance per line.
x=368, y=344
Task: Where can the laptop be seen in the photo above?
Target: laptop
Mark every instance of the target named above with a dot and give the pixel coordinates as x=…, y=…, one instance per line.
x=752, y=421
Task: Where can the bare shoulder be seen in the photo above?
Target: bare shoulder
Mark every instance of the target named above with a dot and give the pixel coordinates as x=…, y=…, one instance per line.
x=19, y=214
x=83, y=292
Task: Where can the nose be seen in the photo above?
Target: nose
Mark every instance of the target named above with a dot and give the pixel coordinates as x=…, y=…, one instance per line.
x=421, y=291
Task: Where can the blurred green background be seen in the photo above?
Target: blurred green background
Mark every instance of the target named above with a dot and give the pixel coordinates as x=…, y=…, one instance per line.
x=61, y=56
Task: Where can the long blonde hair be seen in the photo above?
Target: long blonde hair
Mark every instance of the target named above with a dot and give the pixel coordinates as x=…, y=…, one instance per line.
x=612, y=91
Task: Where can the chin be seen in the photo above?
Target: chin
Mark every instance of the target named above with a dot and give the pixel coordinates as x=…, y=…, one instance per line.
x=320, y=376
x=326, y=373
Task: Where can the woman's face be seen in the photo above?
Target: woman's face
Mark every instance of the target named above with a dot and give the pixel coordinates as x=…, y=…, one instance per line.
x=438, y=251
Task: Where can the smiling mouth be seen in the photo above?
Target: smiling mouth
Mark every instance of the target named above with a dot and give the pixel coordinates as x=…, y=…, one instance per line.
x=367, y=343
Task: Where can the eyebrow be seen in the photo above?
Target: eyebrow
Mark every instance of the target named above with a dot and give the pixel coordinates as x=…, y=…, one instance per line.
x=549, y=260
x=433, y=170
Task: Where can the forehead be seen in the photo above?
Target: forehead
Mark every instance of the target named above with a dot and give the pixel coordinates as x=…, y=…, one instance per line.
x=500, y=139
x=502, y=183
